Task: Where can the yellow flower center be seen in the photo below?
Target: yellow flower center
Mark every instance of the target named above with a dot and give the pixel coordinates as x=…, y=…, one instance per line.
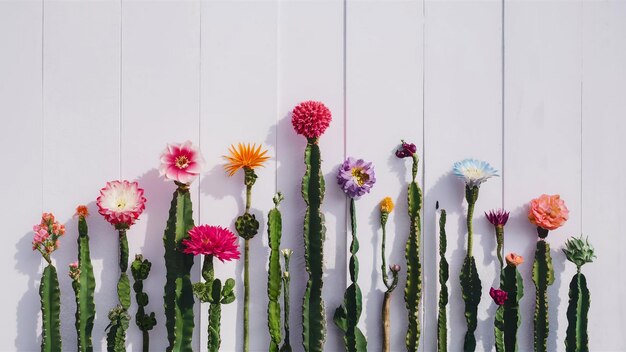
x=182, y=162
x=121, y=204
x=359, y=176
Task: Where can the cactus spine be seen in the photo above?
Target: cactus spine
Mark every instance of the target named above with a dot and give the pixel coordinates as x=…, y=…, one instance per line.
x=543, y=276
x=116, y=338
x=286, y=347
x=84, y=286
x=386, y=207
x=579, y=252
x=442, y=318
x=178, y=292
x=313, y=313
x=508, y=318
x=347, y=315
x=274, y=230
x=140, y=268
x=50, y=308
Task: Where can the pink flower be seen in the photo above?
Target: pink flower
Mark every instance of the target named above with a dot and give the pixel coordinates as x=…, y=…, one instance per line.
x=181, y=162
x=311, y=119
x=47, y=234
x=497, y=217
x=548, y=212
x=41, y=235
x=498, y=296
x=74, y=265
x=121, y=203
x=212, y=240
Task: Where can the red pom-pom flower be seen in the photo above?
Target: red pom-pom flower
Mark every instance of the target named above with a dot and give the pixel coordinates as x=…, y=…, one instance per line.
x=311, y=119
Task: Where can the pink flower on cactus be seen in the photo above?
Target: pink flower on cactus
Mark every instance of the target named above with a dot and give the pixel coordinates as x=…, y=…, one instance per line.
x=47, y=234
x=212, y=240
x=121, y=203
x=498, y=296
x=497, y=217
x=513, y=259
x=548, y=212
x=181, y=162
x=311, y=119
x=41, y=235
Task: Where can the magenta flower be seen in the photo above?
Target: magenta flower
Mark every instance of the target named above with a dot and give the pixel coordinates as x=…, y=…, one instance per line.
x=356, y=177
x=121, y=203
x=498, y=296
x=406, y=150
x=497, y=217
x=212, y=240
x=311, y=119
x=181, y=163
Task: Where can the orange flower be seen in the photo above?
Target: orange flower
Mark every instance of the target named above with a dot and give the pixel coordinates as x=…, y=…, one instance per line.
x=82, y=210
x=548, y=212
x=244, y=156
x=386, y=205
x=513, y=259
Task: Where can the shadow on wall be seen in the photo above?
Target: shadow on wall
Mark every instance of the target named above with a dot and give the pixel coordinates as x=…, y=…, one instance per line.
x=27, y=263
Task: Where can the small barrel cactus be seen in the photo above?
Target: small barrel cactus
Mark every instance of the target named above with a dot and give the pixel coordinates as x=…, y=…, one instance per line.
x=140, y=268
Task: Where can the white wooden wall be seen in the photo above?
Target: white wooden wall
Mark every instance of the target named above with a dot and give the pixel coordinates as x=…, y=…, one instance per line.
x=91, y=91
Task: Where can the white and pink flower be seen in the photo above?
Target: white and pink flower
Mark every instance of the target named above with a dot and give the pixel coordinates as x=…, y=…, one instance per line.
x=181, y=162
x=121, y=203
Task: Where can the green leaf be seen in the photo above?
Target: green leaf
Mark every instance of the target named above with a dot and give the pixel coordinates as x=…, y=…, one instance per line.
x=50, y=310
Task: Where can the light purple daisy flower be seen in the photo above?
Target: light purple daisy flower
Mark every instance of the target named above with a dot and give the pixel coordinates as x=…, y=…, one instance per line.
x=356, y=177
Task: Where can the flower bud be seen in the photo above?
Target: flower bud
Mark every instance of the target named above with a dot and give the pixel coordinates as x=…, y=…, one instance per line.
x=394, y=268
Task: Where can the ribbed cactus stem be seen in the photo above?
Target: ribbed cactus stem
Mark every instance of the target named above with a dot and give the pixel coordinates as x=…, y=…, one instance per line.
x=471, y=286
x=442, y=317
x=286, y=347
x=389, y=284
x=50, y=310
x=215, y=308
x=274, y=280
x=117, y=334
x=543, y=276
x=140, y=269
x=85, y=287
x=510, y=318
x=500, y=244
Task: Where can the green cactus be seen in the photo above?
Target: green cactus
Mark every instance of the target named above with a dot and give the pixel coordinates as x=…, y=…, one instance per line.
x=140, y=268
x=116, y=338
x=543, y=276
x=84, y=287
x=286, y=347
x=313, y=312
x=413, y=289
x=579, y=252
x=508, y=318
x=347, y=315
x=386, y=207
x=178, y=292
x=442, y=318
x=274, y=280
x=50, y=308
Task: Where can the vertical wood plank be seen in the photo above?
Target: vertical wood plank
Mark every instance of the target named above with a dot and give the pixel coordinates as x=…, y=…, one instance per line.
x=21, y=150
x=239, y=77
x=463, y=119
x=542, y=141
x=383, y=106
x=160, y=104
x=603, y=186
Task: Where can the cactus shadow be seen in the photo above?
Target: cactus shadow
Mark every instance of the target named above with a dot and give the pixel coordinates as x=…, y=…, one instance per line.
x=554, y=299
x=27, y=263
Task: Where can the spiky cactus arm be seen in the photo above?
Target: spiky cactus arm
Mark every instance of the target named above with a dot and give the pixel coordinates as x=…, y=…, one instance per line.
x=116, y=339
x=391, y=285
x=413, y=288
x=286, y=347
x=577, y=339
x=313, y=313
x=84, y=290
x=140, y=269
x=510, y=320
x=178, y=292
x=116, y=336
x=347, y=315
x=442, y=318
x=274, y=280
x=543, y=276
x=50, y=310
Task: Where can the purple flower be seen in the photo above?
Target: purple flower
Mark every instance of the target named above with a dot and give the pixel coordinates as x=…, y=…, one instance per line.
x=406, y=150
x=497, y=217
x=356, y=177
x=498, y=296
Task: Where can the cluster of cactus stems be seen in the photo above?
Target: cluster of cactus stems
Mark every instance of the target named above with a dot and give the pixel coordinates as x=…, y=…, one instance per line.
x=543, y=276
x=178, y=291
x=413, y=289
x=508, y=318
x=116, y=337
x=579, y=252
x=347, y=315
x=390, y=283
x=212, y=291
x=247, y=227
x=84, y=285
x=442, y=317
x=140, y=269
x=313, y=312
x=274, y=274
x=471, y=286
x=286, y=347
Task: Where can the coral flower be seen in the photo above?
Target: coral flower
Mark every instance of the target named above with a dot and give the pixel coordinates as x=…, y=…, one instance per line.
x=244, y=156
x=356, y=177
x=82, y=210
x=121, y=203
x=181, y=162
x=47, y=234
x=311, y=119
x=498, y=296
x=212, y=240
x=513, y=259
x=474, y=172
x=386, y=205
x=497, y=217
x=548, y=212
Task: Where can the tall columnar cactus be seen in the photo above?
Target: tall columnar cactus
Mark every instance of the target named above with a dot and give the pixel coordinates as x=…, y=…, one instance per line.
x=45, y=241
x=311, y=119
x=548, y=212
x=413, y=288
x=442, y=318
x=140, y=268
x=286, y=347
x=386, y=207
x=274, y=273
x=116, y=337
x=508, y=317
x=579, y=252
x=84, y=285
x=473, y=173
